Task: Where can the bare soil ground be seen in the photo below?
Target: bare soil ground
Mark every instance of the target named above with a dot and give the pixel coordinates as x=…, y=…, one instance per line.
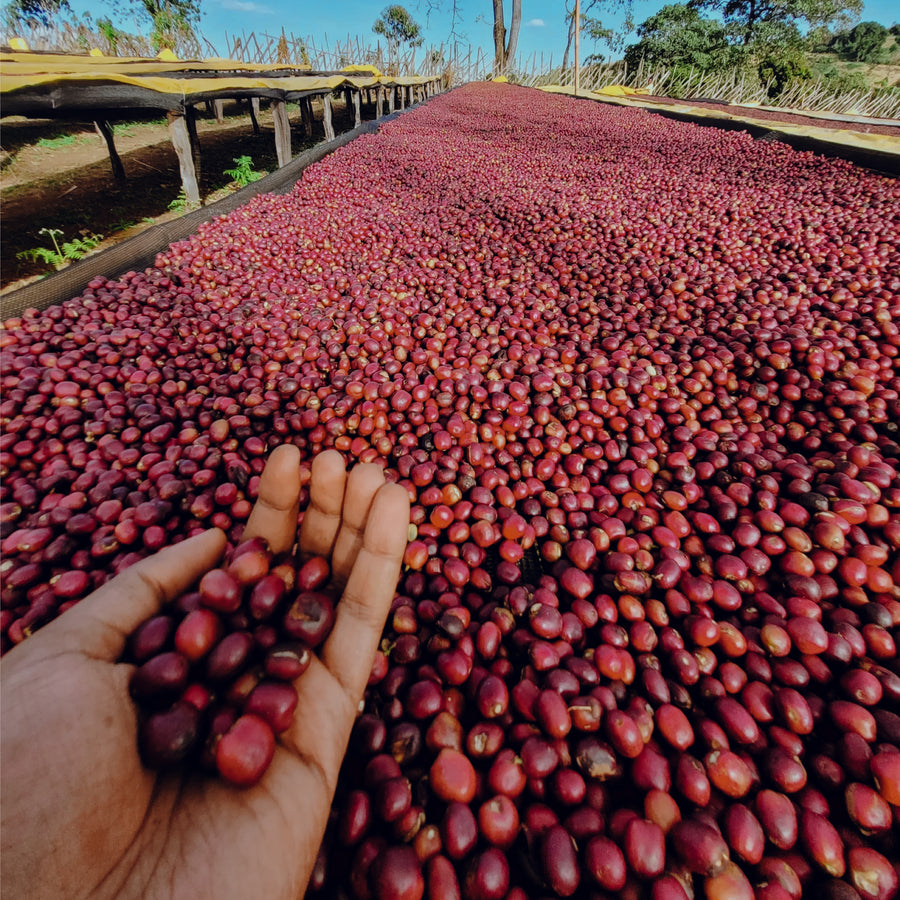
x=58, y=175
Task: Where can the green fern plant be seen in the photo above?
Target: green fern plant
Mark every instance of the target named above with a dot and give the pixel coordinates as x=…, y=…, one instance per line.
x=243, y=173
x=179, y=204
x=60, y=254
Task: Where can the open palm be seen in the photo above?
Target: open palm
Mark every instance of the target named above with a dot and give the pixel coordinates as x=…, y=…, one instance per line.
x=82, y=817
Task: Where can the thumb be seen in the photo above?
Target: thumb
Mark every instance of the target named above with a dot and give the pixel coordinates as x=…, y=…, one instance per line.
x=99, y=625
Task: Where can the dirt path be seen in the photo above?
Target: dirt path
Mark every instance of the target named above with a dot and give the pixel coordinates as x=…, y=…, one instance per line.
x=51, y=181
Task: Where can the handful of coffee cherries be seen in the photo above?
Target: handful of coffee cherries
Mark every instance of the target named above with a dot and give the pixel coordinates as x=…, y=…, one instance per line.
x=215, y=671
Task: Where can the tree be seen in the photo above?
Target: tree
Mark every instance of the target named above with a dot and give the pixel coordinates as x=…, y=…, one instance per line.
x=36, y=13
x=505, y=42
x=818, y=40
x=863, y=43
x=752, y=18
x=592, y=28
x=398, y=27
x=170, y=22
x=679, y=36
x=780, y=68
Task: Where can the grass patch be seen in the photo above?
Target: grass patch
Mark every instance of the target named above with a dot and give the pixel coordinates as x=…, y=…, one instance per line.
x=64, y=140
x=126, y=129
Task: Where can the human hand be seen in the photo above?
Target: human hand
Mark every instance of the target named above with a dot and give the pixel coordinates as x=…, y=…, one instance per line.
x=82, y=817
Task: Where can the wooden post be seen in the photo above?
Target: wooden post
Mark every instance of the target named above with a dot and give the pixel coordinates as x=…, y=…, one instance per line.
x=190, y=116
x=379, y=102
x=326, y=117
x=282, y=132
x=577, y=40
x=219, y=108
x=402, y=90
x=181, y=141
x=118, y=169
x=357, y=111
x=254, y=110
x=391, y=101
x=305, y=117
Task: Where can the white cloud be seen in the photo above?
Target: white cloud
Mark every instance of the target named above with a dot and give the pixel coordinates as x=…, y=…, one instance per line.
x=535, y=23
x=247, y=6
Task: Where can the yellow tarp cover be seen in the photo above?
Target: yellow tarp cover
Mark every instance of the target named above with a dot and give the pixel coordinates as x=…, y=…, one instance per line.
x=187, y=87
x=22, y=71
x=368, y=70
x=620, y=90
x=37, y=64
x=46, y=63
x=843, y=136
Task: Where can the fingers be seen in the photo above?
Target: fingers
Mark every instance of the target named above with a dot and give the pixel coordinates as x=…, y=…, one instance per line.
x=363, y=484
x=363, y=609
x=322, y=518
x=274, y=515
x=100, y=624
x=329, y=692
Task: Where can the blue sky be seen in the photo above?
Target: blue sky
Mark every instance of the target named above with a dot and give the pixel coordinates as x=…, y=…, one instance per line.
x=543, y=25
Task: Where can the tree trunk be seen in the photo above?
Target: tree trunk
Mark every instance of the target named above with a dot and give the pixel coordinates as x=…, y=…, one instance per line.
x=514, y=24
x=499, y=37
x=751, y=22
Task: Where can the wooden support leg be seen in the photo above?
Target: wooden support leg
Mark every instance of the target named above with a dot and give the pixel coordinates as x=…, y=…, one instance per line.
x=326, y=117
x=282, y=132
x=117, y=168
x=304, y=117
x=391, y=101
x=379, y=103
x=357, y=112
x=402, y=97
x=181, y=141
x=254, y=113
x=191, y=120
x=219, y=108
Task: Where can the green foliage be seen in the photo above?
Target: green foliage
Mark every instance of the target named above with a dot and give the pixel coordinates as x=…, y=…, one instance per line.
x=243, y=173
x=595, y=31
x=64, y=140
x=778, y=70
x=895, y=30
x=179, y=204
x=31, y=13
x=818, y=40
x=112, y=34
x=763, y=21
x=679, y=36
x=398, y=27
x=168, y=21
x=60, y=254
x=837, y=79
x=864, y=43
